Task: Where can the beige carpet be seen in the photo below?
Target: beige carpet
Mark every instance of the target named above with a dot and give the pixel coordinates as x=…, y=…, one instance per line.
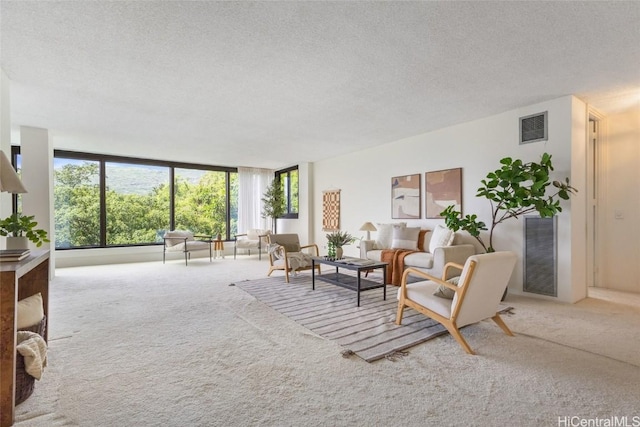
x=169, y=345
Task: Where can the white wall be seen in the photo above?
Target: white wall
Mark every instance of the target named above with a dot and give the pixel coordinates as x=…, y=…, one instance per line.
x=5, y=138
x=620, y=194
x=364, y=178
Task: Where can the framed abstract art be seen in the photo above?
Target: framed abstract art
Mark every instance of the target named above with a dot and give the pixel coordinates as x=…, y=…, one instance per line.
x=406, y=196
x=443, y=189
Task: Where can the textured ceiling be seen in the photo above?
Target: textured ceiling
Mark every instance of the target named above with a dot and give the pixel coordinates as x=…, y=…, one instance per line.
x=271, y=84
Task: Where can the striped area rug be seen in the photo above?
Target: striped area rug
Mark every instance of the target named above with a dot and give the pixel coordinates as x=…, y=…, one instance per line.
x=330, y=311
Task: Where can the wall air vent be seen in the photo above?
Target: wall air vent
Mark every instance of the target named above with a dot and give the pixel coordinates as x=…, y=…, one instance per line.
x=540, y=256
x=533, y=128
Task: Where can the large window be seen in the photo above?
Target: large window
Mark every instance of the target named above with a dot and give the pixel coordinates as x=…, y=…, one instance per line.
x=288, y=179
x=76, y=202
x=137, y=203
x=102, y=201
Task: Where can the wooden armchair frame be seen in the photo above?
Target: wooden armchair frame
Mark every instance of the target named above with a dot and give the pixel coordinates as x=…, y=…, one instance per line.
x=285, y=266
x=450, y=322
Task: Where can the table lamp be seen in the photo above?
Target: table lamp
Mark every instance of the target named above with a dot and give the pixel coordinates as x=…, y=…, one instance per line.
x=368, y=227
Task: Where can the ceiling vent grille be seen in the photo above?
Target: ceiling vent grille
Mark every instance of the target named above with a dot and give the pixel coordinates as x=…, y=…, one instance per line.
x=533, y=128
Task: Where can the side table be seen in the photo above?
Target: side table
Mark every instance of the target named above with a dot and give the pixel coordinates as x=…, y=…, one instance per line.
x=18, y=280
x=218, y=249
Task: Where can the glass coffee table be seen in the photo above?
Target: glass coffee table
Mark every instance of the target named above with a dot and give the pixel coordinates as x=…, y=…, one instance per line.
x=348, y=281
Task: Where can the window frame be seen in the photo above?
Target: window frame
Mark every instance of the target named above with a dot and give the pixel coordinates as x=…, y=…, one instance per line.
x=287, y=173
x=102, y=159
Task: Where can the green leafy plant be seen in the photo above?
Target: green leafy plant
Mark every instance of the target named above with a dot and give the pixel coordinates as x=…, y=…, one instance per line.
x=339, y=238
x=273, y=203
x=18, y=225
x=516, y=189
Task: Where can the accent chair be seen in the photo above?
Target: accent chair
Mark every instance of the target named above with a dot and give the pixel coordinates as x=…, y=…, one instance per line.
x=186, y=242
x=286, y=253
x=254, y=238
x=476, y=296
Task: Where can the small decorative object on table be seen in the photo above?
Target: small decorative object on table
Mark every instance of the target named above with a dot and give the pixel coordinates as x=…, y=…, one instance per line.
x=336, y=240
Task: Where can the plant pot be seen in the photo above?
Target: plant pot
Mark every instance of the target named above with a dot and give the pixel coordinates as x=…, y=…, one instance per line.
x=339, y=253
x=17, y=242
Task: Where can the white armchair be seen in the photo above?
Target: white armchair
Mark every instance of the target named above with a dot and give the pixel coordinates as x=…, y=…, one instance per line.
x=185, y=242
x=254, y=238
x=476, y=297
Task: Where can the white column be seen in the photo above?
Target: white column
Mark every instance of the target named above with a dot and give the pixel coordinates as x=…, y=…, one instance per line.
x=36, y=149
x=5, y=138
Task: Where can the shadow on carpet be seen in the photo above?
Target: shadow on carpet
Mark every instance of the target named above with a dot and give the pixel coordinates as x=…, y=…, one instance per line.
x=369, y=331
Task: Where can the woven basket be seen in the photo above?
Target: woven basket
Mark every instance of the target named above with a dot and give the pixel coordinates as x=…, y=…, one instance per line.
x=25, y=383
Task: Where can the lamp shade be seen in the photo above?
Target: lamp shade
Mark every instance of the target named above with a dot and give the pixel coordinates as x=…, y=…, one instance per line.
x=368, y=227
x=9, y=179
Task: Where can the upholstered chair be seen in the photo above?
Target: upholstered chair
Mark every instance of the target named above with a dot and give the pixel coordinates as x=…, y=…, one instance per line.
x=475, y=297
x=254, y=238
x=186, y=242
x=286, y=253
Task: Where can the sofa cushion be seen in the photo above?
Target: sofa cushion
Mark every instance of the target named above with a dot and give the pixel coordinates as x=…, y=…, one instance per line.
x=385, y=234
x=419, y=292
x=405, y=238
x=440, y=237
x=176, y=237
x=419, y=260
x=255, y=233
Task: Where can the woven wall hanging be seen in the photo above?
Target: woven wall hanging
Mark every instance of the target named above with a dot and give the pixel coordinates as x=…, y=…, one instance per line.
x=331, y=210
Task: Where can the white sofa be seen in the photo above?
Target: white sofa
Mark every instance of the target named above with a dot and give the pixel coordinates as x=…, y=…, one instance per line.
x=432, y=263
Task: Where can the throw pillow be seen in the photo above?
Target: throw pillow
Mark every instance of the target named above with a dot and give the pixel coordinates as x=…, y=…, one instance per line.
x=405, y=238
x=385, y=234
x=30, y=311
x=422, y=237
x=441, y=236
x=444, y=292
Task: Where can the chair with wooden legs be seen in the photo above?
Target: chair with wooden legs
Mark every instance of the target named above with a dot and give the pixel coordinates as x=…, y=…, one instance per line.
x=286, y=253
x=476, y=297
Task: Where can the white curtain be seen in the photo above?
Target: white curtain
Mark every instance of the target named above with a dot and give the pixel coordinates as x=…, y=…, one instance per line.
x=252, y=184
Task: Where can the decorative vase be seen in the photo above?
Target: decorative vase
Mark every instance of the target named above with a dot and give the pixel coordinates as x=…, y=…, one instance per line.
x=20, y=242
x=331, y=251
x=339, y=252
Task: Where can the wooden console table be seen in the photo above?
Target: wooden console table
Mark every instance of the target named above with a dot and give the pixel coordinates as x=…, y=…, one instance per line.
x=18, y=280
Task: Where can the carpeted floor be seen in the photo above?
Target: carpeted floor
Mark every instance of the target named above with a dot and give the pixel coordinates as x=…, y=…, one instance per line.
x=168, y=345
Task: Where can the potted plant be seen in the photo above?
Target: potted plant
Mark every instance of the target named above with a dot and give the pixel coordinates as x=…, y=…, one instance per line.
x=19, y=229
x=273, y=203
x=337, y=239
x=517, y=188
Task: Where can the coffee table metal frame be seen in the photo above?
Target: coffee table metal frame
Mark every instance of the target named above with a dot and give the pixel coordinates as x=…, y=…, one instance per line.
x=347, y=281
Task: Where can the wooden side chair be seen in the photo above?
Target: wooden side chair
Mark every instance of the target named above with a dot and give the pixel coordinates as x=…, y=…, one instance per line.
x=285, y=253
x=476, y=297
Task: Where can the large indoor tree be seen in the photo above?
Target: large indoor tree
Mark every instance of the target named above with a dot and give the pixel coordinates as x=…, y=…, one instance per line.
x=516, y=189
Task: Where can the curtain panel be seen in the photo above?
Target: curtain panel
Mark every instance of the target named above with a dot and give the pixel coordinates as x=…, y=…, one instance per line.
x=252, y=184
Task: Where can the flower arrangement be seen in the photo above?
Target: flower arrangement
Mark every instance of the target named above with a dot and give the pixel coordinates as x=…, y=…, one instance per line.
x=340, y=238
